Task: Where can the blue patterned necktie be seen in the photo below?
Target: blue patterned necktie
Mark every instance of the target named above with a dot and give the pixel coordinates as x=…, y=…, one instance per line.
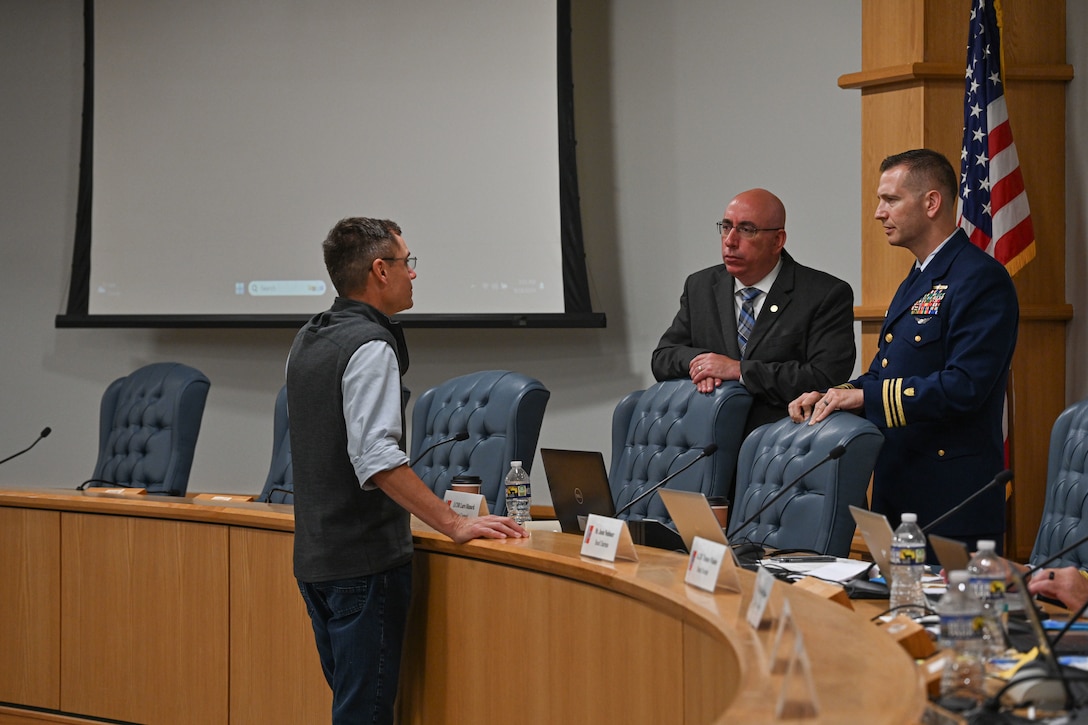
x=747, y=319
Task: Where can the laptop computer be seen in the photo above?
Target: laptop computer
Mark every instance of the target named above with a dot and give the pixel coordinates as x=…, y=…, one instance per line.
x=579, y=485
x=951, y=553
x=877, y=533
x=1036, y=635
x=954, y=554
x=691, y=513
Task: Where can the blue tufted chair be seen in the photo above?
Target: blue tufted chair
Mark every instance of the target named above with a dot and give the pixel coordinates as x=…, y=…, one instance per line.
x=500, y=410
x=815, y=513
x=280, y=484
x=658, y=430
x=148, y=426
x=1065, y=510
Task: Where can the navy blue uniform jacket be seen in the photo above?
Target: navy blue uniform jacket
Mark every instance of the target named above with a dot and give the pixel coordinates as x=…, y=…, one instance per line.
x=936, y=389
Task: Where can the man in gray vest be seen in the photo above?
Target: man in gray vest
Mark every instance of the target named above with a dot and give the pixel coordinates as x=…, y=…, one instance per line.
x=353, y=487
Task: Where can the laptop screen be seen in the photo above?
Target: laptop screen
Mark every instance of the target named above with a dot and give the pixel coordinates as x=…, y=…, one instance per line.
x=1039, y=637
x=877, y=533
x=951, y=553
x=579, y=486
x=692, y=515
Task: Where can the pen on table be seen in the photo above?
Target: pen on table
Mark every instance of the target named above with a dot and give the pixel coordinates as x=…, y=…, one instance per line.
x=804, y=559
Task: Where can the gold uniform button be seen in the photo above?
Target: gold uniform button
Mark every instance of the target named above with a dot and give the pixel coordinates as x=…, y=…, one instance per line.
x=941, y=453
x=888, y=337
x=917, y=338
x=884, y=363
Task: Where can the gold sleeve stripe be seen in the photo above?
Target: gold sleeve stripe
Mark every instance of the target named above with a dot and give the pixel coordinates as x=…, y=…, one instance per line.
x=892, y=393
x=884, y=388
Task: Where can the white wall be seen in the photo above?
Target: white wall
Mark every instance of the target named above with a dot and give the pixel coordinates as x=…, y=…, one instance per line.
x=680, y=104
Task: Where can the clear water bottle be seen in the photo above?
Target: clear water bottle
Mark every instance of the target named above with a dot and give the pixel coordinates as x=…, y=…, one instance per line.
x=518, y=493
x=907, y=563
x=988, y=573
x=961, y=634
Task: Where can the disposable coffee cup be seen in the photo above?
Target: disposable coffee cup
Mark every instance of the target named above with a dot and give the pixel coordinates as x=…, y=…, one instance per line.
x=466, y=484
x=720, y=506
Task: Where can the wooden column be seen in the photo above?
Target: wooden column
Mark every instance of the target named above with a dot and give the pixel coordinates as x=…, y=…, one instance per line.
x=914, y=53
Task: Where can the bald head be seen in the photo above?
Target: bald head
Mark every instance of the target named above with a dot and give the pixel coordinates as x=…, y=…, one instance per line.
x=770, y=207
x=756, y=220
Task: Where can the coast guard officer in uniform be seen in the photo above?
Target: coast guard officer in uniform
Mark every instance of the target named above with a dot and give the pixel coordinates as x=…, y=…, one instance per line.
x=936, y=386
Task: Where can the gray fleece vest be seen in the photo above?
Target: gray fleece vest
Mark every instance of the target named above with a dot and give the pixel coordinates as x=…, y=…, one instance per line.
x=341, y=531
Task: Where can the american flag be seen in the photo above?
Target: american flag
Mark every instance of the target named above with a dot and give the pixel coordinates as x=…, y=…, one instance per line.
x=993, y=206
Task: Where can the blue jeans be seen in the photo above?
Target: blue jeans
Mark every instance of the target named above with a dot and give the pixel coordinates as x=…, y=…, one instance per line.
x=359, y=627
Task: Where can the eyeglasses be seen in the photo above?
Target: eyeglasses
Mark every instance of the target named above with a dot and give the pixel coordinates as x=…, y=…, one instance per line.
x=746, y=230
x=409, y=261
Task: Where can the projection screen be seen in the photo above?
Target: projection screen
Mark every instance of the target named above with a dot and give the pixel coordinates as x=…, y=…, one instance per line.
x=229, y=136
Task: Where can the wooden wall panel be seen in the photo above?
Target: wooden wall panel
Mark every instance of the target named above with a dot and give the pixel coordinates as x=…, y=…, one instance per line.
x=709, y=686
x=1033, y=403
x=888, y=120
x=144, y=615
x=30, y=607
x=901, y=40
x=946, y=31
x=532, y=620
x=273, y=678
x=1034, y=33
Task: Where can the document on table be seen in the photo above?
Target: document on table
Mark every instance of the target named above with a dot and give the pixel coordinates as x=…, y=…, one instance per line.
x=840, y=570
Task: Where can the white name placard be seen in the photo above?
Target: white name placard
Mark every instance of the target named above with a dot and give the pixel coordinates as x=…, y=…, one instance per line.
x=607, y=539
x=705, y=563
x=761, y=597
x=466, y=504
x=797, y=697
x=783, y=635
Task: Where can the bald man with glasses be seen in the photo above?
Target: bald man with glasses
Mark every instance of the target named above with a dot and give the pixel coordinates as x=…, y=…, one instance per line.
x=777, y=326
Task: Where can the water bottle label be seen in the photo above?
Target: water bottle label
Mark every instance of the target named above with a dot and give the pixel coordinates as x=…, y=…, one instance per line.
x=988, y=589
x=909, y=555
x=962, y=626
x=517, y=490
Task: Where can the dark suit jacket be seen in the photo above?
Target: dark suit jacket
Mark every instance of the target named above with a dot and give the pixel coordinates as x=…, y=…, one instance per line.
x=936, y=389
x=803, y=338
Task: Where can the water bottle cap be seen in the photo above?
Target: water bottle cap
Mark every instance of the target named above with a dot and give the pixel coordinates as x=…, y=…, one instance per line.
x=909, y=518
x=960, y=576
x=515, y=464
x=986, y=545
